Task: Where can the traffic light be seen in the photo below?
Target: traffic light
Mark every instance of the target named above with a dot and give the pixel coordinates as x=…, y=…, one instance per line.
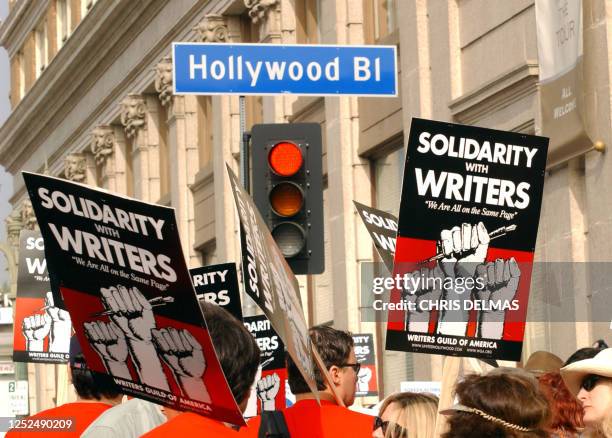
x=288, y=190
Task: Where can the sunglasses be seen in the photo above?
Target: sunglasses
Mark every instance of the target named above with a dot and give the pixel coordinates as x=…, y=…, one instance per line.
x=591, y=381
x=397, y=431
x=355, y=366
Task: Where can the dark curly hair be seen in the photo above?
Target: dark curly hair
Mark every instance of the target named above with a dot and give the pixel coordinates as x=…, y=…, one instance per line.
x=511, y=397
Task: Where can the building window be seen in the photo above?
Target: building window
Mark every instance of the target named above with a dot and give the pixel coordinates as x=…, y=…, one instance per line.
x=42, y=51
x=380, y=19
x=307, y=21
x=388, y=177
x=63, y=21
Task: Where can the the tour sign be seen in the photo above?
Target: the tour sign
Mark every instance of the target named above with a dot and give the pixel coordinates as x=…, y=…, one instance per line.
x=202, y=68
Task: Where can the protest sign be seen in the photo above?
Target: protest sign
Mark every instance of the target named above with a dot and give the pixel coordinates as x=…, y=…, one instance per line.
x=41, y=332
x=270, y=384
x=382, y=227
x=218, y=284
x=468, y=222
x=120, y=270
x=367, y=383
x=270, y=282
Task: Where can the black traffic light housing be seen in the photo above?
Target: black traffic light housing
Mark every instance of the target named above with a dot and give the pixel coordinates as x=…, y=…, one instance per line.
x=280, y=179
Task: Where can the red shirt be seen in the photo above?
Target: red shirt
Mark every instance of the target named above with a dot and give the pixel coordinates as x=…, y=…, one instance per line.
x=188, y=424
x=82, y=415
x=306, y=419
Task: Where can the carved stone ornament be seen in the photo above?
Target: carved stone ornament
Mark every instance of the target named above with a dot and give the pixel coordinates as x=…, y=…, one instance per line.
x=13, y=227
x=212, y=29
x=133, y=112
x=102, y=143
x=163, y=80
x=74, y=167
x=259, y=8
x=28, y=218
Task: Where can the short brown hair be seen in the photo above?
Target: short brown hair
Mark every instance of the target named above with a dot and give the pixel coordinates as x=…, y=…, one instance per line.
x=333, y=345
x=510, y=397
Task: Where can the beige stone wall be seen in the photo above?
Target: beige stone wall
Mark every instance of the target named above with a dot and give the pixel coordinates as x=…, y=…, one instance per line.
x=469, y=61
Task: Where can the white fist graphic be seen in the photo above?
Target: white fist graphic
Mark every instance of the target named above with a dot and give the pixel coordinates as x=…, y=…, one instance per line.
x=267, y=389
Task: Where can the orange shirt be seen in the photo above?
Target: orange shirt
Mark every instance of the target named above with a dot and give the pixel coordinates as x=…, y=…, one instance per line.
x=305, y=419
x=188, y=424
x=81, y=413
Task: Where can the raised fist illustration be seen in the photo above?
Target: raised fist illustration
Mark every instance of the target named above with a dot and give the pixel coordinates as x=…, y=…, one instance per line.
x=463, y=248
x=267, y=389
x=131, y=312
x=35, y=329
x=424, y=285
x=108, y=340
x=363, y=379
x=182, y=352
x=61, y=326
x=500, y=279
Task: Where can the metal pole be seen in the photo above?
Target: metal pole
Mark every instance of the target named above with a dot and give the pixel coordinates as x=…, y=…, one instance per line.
x=244, y=147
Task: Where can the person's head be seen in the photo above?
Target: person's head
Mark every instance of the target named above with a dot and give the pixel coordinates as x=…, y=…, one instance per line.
x=236, y=349
x=336, y=348
x=582, y=354
x=566, y=412
x=100, y=388
x=498, y=405
x=407, y=415
x=591, y=381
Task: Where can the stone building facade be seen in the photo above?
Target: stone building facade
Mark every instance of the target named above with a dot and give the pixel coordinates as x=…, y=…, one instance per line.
x=91, y=95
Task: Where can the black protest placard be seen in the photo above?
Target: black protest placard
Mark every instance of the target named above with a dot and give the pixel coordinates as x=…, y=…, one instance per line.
x=382, y=227
x=367, y=382
x=218, y=284
x=270, y=282
x=120, y=270
x=270, y=385
x=468, y=222
x=41, y=331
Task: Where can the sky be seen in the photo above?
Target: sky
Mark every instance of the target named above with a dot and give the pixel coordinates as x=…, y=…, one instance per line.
x=6, y=183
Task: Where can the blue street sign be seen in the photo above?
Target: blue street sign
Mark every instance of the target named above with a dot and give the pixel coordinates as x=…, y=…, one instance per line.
x=262, y=69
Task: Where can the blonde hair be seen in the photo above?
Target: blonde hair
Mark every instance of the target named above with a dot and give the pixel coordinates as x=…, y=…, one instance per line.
x=417, y=413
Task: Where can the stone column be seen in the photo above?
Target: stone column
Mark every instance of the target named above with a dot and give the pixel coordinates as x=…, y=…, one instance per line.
x=183, y=150
x=134, y=121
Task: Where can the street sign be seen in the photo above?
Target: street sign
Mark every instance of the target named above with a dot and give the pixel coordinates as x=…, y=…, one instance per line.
x=269, y=69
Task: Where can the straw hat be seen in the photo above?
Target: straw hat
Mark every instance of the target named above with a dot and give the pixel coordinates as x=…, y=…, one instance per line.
x=574, y=373
x=542, y=362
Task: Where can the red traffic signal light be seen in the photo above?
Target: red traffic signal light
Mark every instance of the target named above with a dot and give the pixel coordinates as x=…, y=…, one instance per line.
x=285, y=158
x=288, y=190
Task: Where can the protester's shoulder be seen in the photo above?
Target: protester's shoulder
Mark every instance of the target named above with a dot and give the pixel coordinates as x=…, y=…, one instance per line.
x=347, y=416
x=252, y=427
x=192, y=425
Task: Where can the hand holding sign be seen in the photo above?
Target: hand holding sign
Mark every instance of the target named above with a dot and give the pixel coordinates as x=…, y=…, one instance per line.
x=267, y=389
x=184, y=355
x=61, y=326
x=501, y=280
x=36, y=328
